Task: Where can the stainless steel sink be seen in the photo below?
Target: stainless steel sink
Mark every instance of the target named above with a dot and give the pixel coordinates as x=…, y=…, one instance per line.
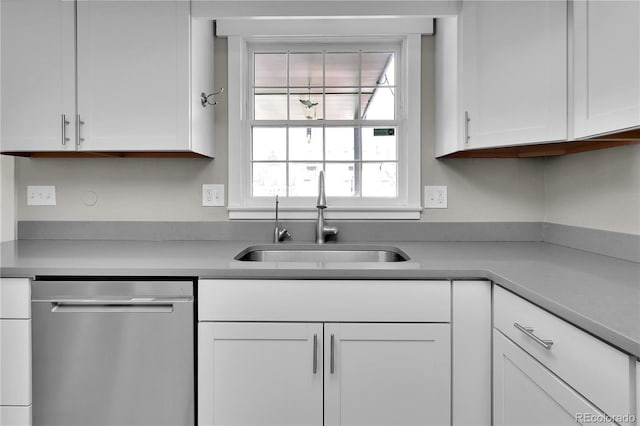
x=322, y=253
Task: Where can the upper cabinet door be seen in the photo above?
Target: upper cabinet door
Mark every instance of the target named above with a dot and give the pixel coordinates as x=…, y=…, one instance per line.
x=606, y=61
x=38, y=75
x=387, y=374
x=514, y=70
x=133, y=75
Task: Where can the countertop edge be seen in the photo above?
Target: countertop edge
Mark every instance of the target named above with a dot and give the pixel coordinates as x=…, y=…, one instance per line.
x=592, y=327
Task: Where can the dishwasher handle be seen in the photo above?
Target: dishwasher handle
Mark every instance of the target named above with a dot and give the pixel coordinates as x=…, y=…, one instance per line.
x=112, y=307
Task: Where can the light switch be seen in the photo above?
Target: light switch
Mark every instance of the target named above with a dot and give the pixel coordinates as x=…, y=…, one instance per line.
x=41, y=195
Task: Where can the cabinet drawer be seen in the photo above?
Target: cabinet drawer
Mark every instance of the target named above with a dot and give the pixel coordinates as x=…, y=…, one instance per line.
x=323, y=300
x=15, y=362
x=15, y=298
x=595, y=369
x=15, y=416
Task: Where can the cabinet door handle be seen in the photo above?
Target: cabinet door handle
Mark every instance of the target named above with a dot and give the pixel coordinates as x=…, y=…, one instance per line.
x=65, y=123
x=467, y=119
x=332, y=362
x=79, y=123
x=529, y=332
x=315, y=353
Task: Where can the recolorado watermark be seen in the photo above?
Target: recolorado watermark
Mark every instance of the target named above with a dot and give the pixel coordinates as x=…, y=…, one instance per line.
x=585, y=418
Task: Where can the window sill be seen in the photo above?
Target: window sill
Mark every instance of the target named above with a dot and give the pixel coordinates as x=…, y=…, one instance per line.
x=405, y=212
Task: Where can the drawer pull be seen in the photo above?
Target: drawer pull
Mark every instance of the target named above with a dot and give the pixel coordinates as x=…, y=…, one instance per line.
x=529, y=332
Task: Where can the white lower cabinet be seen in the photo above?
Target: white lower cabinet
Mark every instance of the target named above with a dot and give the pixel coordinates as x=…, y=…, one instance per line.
x=387, y=374
x=259, y=374
x=15, y=352
x=527, y=393
x=15, y=416
x=366, y=374
x=331, y=364
x=548, y=372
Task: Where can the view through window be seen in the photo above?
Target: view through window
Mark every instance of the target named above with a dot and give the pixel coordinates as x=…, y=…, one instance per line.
x=320, y=108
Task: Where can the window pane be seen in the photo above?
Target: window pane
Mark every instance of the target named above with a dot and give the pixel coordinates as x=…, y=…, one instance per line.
x=379, y=143
x=342, y=69
x=270, y=69
x=342, y=104
x=269, y=143
x=269, y=179
x=305, y=69
x=340, y=180
x=270, y=104
x=303, y=179
x=305, y=105
x=305, y=143
x=379, y=180
x=340, y=143
x=378, y=69
x=378, y=103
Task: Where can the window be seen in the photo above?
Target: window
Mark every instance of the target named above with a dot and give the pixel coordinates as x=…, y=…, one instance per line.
x=320, y=107
x=346, y=104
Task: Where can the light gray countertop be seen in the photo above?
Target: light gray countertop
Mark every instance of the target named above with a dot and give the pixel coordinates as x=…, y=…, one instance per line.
x=597, y=293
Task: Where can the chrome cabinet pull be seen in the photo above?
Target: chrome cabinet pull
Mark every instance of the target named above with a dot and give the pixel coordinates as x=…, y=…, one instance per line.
x=315, y=354
x=332, y=366
x=467, y=119
x=79, y=123
x=65, y=123
x=529, y=332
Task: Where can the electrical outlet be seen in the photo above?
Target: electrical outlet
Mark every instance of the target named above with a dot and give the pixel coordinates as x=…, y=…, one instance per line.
x=41, y=195
x=435, y=197
x=212, y=195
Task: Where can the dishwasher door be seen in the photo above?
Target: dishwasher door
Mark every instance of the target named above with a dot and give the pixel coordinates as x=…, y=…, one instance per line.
x=113, y=353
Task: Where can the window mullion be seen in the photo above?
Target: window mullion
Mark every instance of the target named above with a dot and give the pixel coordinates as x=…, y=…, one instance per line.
x=287, y=126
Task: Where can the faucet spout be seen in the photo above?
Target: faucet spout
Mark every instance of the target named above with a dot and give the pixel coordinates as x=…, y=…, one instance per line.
x=322, y=229
x=322, y=198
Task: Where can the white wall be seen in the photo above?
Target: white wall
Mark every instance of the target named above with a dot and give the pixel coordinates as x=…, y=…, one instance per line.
x=169, y=189
x=597, y=189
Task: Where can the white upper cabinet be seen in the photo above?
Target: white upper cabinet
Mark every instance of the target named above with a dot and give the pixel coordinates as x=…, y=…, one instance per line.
x=606, y=66
x=514, y=72
x=38, y=77
x=141, y=67
x=501, y=75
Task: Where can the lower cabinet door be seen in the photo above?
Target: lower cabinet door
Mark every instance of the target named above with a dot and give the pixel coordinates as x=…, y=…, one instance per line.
x=387, y=374
x=527, y=393
x=15, y=416
x=260, y=374
x=15, y=362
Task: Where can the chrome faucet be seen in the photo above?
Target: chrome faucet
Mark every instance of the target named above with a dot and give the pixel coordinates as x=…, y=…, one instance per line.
x=279, y=234
x=322, y=230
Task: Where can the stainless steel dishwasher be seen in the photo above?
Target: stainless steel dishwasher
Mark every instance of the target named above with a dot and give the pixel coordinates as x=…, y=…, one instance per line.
x=113, y=353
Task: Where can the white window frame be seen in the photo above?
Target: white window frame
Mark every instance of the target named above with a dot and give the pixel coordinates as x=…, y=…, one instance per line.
x=407, y=31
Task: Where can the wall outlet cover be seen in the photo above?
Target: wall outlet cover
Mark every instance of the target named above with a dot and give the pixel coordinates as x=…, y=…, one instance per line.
x=212, y=195
x=435, y=197
x=41, y=195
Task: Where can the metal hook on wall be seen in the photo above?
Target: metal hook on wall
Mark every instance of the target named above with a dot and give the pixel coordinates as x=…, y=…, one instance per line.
x=204, y=98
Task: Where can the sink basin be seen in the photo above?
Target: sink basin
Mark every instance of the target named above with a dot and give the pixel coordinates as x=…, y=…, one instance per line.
x=322, y=253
